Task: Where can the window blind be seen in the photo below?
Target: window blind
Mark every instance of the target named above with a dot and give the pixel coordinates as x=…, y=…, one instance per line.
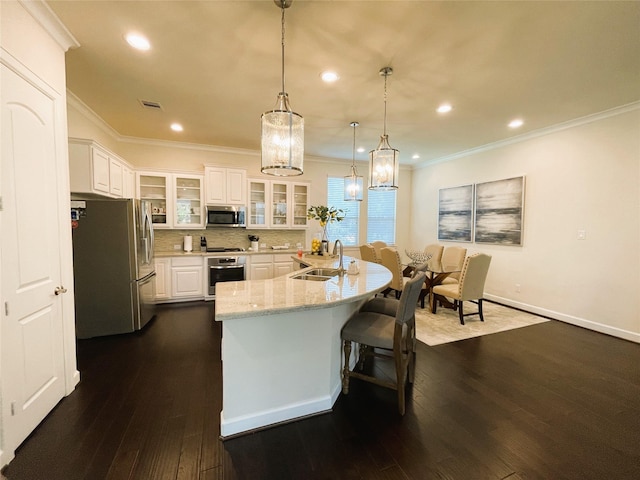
x=381, y=216
x=347, y=229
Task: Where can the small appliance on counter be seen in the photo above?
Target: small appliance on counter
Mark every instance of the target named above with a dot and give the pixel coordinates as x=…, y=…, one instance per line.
x=203, y=244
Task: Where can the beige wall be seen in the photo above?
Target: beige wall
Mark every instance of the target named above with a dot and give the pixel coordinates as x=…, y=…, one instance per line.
x=582, y=178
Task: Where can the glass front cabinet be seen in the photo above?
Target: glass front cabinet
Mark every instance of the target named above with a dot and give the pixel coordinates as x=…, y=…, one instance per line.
x=277, y=204
x=280, y=204
x=176, y=199
x=156, y=188
x=189, y=207
x=259, y=194
x=300, y=205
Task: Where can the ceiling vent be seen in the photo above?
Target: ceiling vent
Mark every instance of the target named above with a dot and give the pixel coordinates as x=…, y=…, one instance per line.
x=150, y=105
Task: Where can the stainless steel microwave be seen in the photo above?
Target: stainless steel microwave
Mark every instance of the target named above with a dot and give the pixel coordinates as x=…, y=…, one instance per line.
x=226, y=216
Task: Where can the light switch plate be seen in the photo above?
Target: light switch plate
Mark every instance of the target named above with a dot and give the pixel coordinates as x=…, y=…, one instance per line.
x=582, y=234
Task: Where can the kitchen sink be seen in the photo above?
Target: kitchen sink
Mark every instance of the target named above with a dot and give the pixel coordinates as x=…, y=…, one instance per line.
x=317, y=274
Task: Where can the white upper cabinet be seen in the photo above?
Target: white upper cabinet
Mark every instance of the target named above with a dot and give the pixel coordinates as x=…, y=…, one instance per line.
x=156, y=188
x=277, y=204
x=176, y=199
x=188, y=207
x=225, y=186
x=300, y=204
x=259, y=210
x=95, y=170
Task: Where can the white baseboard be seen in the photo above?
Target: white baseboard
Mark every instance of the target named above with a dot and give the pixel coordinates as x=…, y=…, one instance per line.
x=245, y=424
x=563, y=317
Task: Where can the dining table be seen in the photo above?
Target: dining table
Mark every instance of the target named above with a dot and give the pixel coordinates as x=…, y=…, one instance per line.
x=436, y=273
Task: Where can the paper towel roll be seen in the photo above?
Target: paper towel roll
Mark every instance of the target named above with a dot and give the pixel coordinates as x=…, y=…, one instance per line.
x=188, y=243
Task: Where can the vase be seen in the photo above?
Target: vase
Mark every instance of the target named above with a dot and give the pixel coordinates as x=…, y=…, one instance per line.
x=324, y=243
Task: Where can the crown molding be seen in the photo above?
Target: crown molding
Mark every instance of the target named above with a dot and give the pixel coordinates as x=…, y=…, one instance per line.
x=629, y=107
x=48, y=20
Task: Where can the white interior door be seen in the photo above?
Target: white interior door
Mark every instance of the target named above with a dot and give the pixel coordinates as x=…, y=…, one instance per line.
x=31, y=330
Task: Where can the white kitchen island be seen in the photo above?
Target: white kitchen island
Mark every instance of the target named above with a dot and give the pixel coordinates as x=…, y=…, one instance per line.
x=281, y=349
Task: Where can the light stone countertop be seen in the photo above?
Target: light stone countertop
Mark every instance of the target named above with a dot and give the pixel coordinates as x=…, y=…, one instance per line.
x=198, y=253
x=252, y=298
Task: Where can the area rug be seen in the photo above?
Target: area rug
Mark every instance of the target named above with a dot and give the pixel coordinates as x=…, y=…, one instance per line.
x=444, y=326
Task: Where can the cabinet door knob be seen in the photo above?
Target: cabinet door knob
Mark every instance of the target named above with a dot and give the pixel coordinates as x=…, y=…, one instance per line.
x=60, y=290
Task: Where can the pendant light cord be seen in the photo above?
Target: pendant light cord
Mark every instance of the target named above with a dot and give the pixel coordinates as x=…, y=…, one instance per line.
x=353, y=157
x=384, y=129
x=283, y=6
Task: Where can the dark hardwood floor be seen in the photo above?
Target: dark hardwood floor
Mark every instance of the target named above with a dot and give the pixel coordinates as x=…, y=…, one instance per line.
x=549, y=401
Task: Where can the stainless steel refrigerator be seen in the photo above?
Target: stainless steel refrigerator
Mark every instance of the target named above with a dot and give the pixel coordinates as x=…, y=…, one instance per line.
x=113, y=266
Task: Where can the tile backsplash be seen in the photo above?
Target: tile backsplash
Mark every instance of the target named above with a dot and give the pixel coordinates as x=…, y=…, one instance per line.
x=165, y=240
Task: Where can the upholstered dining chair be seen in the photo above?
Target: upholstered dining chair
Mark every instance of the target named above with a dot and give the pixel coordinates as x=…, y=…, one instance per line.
x=368, y=253
x=377, y=331
x=389, y=306
x=435, y=250
x=453, y=256
x=378, y=245
x=471, y=286
x=391, y=259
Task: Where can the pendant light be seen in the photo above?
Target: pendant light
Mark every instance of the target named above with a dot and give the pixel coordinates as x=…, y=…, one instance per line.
x=353, y=184
x=282, y=129
x=383, y=161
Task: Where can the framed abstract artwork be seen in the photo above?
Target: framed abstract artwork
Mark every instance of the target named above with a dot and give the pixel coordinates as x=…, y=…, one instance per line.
x=455, y=213
x=499, y=210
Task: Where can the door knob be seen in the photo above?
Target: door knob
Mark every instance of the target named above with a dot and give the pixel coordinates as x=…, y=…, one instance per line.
x=60, y=290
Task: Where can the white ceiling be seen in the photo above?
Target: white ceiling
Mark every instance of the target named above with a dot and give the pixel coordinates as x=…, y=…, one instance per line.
x=215, y=67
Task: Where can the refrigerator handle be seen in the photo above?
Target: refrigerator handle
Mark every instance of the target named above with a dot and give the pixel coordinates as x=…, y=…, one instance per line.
x=149, y=239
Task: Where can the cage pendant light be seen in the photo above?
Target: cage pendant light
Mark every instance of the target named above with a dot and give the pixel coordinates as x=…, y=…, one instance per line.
x=383, y=161
x=353, y=183
x=282, y=136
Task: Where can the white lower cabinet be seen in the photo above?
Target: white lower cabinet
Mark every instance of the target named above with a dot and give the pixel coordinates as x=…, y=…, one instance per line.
x=260, y=267
x=179, y=278
x=282, y=264
x=163, y=279
x=263, y=267
x=187, y=277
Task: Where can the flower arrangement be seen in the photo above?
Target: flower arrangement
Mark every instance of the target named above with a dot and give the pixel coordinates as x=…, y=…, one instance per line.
x=325, y=214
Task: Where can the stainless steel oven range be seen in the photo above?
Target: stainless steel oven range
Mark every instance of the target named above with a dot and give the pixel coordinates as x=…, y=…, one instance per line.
x=224, y=269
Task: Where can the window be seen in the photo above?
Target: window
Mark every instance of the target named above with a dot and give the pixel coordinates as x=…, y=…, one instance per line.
x=347, y=229
x=381, y=216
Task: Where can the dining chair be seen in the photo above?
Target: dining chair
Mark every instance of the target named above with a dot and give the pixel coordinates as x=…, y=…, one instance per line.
x=391, y=259
x=389, y=306
x=368, y=253
x=435, y=250
x=375, y=332
x=378, y=245
x=453, y=257
x=471, y=286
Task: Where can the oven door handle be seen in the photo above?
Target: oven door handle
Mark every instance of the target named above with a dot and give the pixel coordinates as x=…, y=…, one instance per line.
x=225, y=267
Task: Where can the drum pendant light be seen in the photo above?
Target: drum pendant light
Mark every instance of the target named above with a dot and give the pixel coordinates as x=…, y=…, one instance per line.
x=353, y=184
x=383, y=161
x=282, y=129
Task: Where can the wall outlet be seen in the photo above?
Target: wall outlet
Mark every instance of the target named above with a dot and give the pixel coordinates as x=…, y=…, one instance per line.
x=177, y=247
x=517, y=288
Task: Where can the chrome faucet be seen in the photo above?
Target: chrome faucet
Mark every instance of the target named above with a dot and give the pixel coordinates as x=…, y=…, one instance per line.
x=341, y=266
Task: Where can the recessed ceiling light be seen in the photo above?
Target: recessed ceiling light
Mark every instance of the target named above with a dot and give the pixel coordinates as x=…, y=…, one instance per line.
x=176, y=127
x=137, y=41
x=415, y=156
x=360, y=149
x=444, y=108
x=516, y=123
x=329, y=77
